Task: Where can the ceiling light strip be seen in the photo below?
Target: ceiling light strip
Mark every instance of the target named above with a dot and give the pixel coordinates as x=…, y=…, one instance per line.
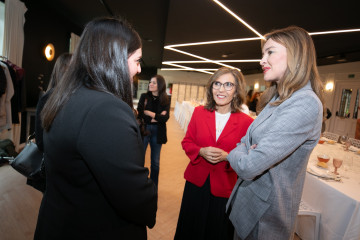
x=221, y=61
x=183, y=69
x=215, y=42
x=188, y=68
x=202, y=58
x=254, y=38
x=238, y=18
x=336, y=31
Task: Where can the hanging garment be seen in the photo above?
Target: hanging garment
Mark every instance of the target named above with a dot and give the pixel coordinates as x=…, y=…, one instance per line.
x=5, y=100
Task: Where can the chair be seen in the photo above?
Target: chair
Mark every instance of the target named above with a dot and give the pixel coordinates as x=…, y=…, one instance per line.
x=332, y=136
x=355, y=142
x=307, y=222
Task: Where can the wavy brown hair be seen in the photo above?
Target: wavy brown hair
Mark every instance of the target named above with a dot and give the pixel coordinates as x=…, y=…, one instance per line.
x=239, y=95
x=301, y=66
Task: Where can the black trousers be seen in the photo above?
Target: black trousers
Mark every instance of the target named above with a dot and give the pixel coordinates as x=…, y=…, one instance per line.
x=202, y=215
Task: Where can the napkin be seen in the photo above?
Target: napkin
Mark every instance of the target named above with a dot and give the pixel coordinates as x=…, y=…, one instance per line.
x=353, y=149
x=321, y=172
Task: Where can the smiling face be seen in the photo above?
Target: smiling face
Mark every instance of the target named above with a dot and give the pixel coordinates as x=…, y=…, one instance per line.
x=153, y=87
x=134, y=63
x=274, y=61
x=221, y=96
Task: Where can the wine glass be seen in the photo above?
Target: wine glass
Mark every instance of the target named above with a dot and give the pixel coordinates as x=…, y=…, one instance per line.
x=343, y=139
x=348, y=165
x=347, y=144
x=337, y=163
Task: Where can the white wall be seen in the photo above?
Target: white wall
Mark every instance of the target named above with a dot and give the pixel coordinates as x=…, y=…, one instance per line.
x=184, y=77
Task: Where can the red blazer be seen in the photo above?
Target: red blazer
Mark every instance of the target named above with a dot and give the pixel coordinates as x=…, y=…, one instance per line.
x=201, y=133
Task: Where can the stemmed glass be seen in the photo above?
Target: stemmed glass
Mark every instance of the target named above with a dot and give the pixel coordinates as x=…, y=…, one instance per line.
x=337, y=163
x=343, y=139
x=347, y=164
x=347, y=144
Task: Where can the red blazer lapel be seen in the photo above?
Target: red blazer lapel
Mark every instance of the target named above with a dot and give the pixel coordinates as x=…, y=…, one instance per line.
x=229, y=127
x=210, y=123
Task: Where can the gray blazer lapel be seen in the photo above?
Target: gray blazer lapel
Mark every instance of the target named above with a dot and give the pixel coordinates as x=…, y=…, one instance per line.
x=265, y=114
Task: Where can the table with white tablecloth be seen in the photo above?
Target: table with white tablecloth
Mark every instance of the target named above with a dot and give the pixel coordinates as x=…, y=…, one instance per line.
x=183, y=112
x=338, y=202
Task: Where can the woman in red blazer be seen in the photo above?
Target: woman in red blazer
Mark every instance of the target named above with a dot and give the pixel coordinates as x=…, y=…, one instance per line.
x=213, y=131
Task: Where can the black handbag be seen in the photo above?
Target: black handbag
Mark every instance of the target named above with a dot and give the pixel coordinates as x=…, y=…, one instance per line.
x=29, y=162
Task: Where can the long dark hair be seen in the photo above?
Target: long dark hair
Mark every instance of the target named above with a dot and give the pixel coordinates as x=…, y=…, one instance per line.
x=60, y=67
x=99, y=62
x=161, y=84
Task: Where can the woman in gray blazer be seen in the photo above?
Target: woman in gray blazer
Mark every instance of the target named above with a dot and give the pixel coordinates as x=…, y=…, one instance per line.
x=271, y=159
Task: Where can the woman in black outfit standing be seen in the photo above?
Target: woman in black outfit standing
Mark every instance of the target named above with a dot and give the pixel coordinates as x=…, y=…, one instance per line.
x=154, y=108
x=61, y=65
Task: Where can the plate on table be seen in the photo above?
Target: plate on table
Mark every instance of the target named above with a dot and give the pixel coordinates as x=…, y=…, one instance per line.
x=354, y=149
x=321, y=172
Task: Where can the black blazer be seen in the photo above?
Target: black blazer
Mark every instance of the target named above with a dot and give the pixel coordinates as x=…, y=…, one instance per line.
x=161, y=119
x=39, y=183
x=97, y=185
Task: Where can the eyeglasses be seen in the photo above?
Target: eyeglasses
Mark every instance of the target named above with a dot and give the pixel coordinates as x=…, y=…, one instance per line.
x=227, y=86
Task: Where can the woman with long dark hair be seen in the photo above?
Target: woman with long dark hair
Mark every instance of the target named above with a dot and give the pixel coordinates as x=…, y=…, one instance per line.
x=61, y=65
x=96, y=186
x=154, y=108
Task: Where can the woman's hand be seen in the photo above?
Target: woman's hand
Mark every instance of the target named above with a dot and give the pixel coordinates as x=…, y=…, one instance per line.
x=213, y=155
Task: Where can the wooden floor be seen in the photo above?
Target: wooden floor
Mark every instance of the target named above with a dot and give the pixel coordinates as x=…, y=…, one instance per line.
x=19, y=203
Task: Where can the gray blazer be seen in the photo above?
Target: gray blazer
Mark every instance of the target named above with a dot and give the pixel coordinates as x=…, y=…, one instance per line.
x=265, y=200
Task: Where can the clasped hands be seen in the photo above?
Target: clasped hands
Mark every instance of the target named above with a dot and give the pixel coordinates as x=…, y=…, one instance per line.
x=213, y=154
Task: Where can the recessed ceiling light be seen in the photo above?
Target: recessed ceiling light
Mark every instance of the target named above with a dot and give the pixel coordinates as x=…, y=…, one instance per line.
x=238, y=18
x=220, y=62
x=336, y=31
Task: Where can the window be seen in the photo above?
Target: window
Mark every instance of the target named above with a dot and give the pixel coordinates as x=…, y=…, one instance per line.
x=2, y=24
x=345, y=103
x=355, y=115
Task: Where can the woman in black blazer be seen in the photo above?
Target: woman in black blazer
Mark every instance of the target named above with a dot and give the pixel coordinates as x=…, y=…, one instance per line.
x=154, y=108
x=97, y=186
x=61, y=65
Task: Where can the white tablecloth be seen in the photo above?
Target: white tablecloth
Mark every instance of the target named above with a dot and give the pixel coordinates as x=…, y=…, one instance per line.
x=337, y=202
x=183, y=112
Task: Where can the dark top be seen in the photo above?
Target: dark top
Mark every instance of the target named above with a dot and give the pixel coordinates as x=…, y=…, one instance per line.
x=39, y=183
x=38, y=125
x=252, y=105
x=149, y=102
x=97, y=185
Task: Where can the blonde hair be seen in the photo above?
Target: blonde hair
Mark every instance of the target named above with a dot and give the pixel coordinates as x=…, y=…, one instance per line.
x=239, y=95
x=301, y=66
